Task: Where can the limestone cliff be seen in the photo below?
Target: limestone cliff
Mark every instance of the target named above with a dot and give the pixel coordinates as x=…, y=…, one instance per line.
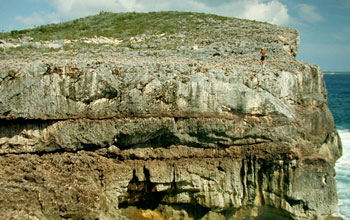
x=180, y=124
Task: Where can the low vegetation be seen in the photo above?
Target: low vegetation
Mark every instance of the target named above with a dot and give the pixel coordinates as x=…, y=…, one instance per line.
x=117, y=25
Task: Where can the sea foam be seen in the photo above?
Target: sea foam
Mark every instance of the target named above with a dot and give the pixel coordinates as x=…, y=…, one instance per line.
x=343, y=176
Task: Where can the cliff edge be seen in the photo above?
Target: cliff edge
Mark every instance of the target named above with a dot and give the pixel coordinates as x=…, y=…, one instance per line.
x=163, y=116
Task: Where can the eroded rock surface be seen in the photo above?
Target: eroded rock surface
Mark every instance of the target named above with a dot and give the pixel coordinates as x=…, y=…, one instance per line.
x=157, y=130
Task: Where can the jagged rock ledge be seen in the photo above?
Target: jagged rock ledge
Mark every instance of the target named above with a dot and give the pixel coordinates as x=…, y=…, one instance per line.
x=181, y=125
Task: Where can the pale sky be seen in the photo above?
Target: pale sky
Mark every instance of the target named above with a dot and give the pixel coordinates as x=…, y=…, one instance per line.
x=324, y=25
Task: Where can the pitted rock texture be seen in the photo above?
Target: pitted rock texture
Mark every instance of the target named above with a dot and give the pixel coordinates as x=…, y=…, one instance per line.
x=178, y=125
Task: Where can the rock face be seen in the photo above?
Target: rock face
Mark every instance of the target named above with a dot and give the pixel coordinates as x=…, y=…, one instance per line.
x=181, y=125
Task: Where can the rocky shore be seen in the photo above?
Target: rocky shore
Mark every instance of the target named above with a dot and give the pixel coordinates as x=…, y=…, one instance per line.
x=184, y=124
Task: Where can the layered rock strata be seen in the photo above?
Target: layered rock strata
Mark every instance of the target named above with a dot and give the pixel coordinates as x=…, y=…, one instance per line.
x=145, y=131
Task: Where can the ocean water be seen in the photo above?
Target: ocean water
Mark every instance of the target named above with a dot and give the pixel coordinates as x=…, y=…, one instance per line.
x=338, y=86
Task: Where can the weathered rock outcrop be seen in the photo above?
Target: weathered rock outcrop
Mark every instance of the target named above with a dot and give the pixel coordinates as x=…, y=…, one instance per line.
x=168, y=126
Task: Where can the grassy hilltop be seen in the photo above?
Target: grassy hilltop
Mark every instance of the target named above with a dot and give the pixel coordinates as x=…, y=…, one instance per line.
x=118, y=25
